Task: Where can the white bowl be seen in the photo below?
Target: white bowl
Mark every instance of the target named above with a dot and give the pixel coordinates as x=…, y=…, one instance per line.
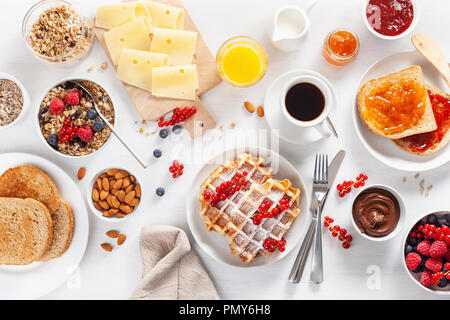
x=401, y=220
x=98, y=213
x=25, y=95
x=416, y=276
x=38, y=127
x=416, y=7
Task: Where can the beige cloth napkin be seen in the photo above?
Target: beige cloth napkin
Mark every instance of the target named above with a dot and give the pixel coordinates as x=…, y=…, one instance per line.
x=170, y=268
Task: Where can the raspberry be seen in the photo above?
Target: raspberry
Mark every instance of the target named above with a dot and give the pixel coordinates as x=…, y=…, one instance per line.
x=73, y=97
x=438, y=249
x=57, y=106
x=447, y=256
x=426, y=279
x=424, y=248
x=434, y=264
x=85, y=133
x=413, y=260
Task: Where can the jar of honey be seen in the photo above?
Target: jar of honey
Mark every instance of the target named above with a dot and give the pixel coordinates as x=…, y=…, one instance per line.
x=340, y=47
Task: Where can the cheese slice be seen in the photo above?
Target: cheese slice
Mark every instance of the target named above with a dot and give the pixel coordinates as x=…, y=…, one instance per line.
x=135, y=67
x=178, y=82
x=112, y=15
x=178, y=44
x=165, y=16
x=132, y=35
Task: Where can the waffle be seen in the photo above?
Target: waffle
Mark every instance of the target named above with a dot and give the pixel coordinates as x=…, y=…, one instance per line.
x=232, y=217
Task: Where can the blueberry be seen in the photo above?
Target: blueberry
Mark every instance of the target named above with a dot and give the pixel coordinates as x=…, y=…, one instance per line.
x=176, y=129
x=443, y=282
x=99, y=125
x=447, y=216
x=442, y=221
x=91, y=114
x=160, y=192
x=53, y=140
x=417, y=270
x=432, y=219
x=412, y=241
x=408, y=249
x=163, y=133
x=157, y=153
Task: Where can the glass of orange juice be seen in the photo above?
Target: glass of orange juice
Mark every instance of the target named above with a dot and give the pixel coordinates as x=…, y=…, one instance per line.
x=241, y=61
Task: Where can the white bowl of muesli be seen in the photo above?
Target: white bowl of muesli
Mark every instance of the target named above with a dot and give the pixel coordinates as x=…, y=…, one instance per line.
x=14, y=100
x=67, y=121
x=56, y=32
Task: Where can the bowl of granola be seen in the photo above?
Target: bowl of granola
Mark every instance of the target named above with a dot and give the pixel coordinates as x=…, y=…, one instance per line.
x=68, y=122
x=56, y=32
x=14, y=100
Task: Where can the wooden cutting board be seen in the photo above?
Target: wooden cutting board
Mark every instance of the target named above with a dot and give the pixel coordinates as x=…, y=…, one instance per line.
x=152, y=108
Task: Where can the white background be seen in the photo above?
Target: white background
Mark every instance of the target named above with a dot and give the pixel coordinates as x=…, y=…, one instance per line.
x=115, y=275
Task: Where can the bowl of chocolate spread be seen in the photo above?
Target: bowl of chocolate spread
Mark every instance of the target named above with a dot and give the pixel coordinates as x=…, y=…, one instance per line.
x=378, y=212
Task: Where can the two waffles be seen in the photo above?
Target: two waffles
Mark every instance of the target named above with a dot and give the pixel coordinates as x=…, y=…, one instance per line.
x=233, y=216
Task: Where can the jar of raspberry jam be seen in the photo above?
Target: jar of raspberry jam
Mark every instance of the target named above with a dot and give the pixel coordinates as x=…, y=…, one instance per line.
x=340, y=47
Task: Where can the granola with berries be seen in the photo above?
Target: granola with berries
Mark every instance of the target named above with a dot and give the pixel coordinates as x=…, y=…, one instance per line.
x=69, y=122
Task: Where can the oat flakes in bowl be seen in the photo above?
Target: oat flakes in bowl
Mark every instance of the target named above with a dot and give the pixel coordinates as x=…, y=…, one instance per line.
x=56, y=32
x=68, y=121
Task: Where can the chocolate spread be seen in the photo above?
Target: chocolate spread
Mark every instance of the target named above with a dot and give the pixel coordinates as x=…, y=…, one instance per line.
x=376, y=212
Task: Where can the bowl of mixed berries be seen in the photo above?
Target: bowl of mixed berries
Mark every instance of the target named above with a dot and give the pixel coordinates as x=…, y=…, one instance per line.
x=427, y=252
x=68, y=122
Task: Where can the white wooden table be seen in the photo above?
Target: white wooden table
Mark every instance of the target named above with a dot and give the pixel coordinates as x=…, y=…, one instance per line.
x=348, y=273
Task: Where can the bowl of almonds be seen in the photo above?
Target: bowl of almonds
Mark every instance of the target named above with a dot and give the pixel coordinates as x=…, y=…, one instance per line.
x=115, y=194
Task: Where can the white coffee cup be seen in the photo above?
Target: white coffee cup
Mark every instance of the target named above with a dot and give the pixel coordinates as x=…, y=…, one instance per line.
x=319, y=123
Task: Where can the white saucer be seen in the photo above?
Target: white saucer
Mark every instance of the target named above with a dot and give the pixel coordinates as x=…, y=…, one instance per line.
x=216, y=245
x=275, y=119
x=384, y=149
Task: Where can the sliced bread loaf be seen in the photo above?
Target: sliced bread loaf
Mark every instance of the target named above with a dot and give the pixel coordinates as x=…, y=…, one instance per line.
x=437, y=145
x=426, y=123
x=25, y=231
x=63, y=223
x=29, y=182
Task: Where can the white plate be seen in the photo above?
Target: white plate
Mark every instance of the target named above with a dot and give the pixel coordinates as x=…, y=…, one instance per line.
x=37, y=279
x=275, y=118
x=216, y=245
x=384, y=149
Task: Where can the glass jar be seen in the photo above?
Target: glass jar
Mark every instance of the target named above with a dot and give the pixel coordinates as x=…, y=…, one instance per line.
x=340, y=47
x=57, y=33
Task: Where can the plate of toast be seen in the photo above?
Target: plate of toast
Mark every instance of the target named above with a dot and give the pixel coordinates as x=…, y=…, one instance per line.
x=260, y=212
x=402, y=113
x=44, y=226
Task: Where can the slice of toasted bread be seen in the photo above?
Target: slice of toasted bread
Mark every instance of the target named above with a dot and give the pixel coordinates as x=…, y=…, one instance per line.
x=426, y=124
x=25, y=231
x=63, y=223
x=29, y=182
x=405, y=144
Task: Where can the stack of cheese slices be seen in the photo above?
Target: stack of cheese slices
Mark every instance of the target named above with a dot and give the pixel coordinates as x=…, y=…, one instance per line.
x=149, y=47
x=417, y=114
x=35, y=223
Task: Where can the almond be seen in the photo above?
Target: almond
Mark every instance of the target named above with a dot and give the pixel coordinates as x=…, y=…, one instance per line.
x=138, y=190
x=108, y=200
x=105, y=184
x=104, y=204
x=260, y=112
x=133, y=179
x=112, y=172
x=81, y=173
x=103, y=194
x=106, y=247
x=108, y=213
x=118, y=184
x=121, y=195
x=135, y=202
x=129, y=189
x=103, y=175
x=98, y=206
x=121, y=239
x=115, y=202
x=121, y=215
x=126, y=182
x=125, y=209
x=112, y=233
x=95, y=195
x=250, y=107
x=121, y=174
x=99, y=184
x=130, y=196
x=114, y=210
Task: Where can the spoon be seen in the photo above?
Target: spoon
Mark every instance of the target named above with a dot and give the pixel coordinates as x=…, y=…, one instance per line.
x=110, y=126
x=431, y=50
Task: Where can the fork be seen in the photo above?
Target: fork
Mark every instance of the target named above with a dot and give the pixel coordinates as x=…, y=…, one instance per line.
x=320, y=189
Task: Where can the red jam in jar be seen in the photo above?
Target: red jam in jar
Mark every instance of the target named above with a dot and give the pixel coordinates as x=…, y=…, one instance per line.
x=390, y=17
x=424, y=141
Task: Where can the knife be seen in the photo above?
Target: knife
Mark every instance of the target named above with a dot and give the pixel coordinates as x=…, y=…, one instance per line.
x=299, y=264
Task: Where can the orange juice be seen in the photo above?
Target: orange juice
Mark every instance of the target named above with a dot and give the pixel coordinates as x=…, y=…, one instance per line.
x=241, y=61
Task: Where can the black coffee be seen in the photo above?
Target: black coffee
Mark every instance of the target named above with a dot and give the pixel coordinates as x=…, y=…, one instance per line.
x=305, y=102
